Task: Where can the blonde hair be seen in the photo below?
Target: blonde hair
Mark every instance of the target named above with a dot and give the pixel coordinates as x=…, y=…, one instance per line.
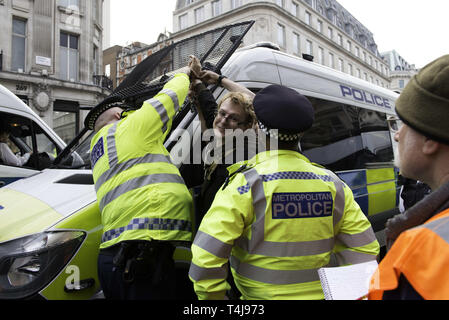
x=245, y=102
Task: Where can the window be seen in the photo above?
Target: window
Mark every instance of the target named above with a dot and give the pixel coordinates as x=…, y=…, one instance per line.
x=216, y=8
x=236, y=3
x=359, y=73
x=350, y=69
x=331, y=60
x=96, y=61
x=321, y=55
x=199, y=15
x=401, y=84
x=72, y=4
x=281, y=35
x=344, y=137
x=364, y=56
x=330, y=33
x=340, y=65
x=69, y=59
x=23, y=134
x=18, y=44
x=340, y=40
x=309, y=47
x=183, y=21
x=66, y=119
x=357, y=52
x=308, y=18
x=294, y=10
x=349, y=45
x=296, y=44
x=280, y=3
x=319, y=26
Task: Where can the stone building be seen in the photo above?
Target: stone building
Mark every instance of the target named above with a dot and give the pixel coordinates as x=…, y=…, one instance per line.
x=401, y=72
x=320, y=28
x=51, y=57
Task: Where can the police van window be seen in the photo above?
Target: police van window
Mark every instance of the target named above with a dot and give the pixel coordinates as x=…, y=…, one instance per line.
x=345, y=137
x=26, y=137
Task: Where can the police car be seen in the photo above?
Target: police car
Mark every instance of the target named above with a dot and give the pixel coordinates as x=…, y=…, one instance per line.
x=50, y=227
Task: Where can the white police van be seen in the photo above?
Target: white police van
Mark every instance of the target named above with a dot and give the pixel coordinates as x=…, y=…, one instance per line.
x=50, y=226
x=28, y=133
x=350, y=135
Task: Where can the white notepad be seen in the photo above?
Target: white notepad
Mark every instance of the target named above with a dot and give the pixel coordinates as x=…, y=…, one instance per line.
x=347, y=282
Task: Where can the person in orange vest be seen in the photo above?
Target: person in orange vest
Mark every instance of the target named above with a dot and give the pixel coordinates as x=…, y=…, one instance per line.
x=416, y=266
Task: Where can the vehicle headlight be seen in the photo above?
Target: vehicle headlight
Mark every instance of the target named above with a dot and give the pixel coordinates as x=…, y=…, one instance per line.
x=28, y=264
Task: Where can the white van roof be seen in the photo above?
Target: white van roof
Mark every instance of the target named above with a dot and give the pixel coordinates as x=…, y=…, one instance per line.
x=270, y=66
x=10, y=101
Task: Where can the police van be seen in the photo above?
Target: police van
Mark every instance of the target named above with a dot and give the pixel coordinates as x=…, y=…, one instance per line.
x=50, y=226
x=28, y=133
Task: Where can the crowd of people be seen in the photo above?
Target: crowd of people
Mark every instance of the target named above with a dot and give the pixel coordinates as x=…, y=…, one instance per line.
x=269, y=222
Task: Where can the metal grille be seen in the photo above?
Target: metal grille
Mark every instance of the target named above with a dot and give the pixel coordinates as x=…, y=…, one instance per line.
x=213, y=48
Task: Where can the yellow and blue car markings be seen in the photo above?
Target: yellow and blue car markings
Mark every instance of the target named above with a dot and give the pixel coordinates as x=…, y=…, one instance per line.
x=375, y=190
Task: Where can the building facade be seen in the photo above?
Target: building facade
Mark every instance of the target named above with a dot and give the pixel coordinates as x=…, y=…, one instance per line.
x=131, y=55
x=320, y=28
x=401, y=72
x=51, y=57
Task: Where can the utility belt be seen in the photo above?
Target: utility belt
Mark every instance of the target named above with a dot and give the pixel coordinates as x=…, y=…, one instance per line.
x=142, y=259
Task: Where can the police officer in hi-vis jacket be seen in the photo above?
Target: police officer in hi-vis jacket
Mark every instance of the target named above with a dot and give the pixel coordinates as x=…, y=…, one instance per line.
x=145, y=206
x=279, y=218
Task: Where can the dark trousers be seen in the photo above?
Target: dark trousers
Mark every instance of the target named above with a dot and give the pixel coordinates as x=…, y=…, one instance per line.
x=146, y=281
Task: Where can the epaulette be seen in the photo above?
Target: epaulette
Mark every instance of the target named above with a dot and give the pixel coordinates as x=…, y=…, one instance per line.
x=231, y=175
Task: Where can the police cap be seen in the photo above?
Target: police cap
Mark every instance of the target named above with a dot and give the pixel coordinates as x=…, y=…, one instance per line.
x=279, y=108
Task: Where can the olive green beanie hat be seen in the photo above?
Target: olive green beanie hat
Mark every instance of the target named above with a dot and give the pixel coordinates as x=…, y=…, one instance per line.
x=424, y=103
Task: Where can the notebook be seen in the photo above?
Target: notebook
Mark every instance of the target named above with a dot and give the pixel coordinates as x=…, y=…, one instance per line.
x=347, y=282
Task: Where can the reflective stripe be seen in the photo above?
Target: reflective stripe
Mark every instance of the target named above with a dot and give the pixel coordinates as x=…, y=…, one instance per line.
x=212, y=245
x=289, y=249
x=149, y=158
x=291, y=175
x=351, y=257
x=339, y=201
x=161, y=110
x=357, y=240
x=112, y=148
x=148, y=224
x=197, y=273
x=440, y=227
x=279, y=277
x=137, y=183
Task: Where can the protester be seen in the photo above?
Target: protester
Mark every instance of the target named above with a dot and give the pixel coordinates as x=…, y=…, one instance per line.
x=416, y=266
x=235, y=111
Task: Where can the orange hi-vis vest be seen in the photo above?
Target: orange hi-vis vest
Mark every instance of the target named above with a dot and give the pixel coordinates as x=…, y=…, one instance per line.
x=421, y=254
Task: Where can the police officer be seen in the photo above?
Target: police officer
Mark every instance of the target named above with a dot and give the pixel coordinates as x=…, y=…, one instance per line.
x=280, y=217
x=145, y=205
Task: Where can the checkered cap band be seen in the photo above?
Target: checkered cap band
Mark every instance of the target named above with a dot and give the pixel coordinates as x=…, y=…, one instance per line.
x=148, y=224
x=287, y=176
x=275, y=134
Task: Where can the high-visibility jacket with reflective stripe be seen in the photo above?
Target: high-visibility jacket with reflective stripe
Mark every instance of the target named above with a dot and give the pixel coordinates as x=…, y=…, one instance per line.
x=420, y=254
x=141, y=194
x=277, y=223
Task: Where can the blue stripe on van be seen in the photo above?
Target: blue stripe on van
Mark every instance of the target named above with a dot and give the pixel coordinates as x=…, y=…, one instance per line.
x=356, y=180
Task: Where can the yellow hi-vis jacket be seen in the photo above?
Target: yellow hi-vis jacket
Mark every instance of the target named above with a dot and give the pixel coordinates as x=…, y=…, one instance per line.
x=141, y=194
x=276, y=223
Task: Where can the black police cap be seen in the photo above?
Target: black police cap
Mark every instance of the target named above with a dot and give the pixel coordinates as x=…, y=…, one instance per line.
x=281, y=108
